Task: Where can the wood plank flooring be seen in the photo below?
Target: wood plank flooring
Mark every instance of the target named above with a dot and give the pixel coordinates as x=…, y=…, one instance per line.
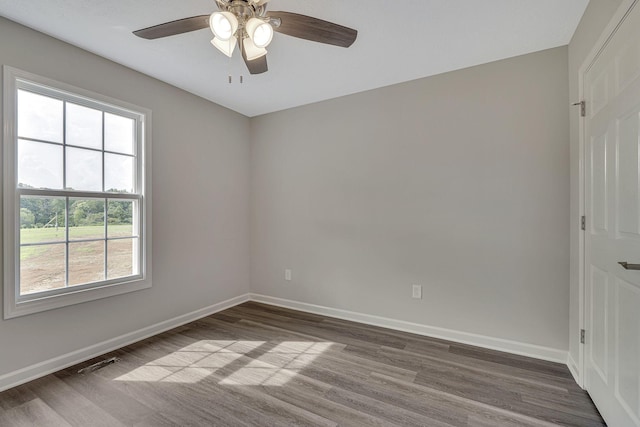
x=259, y=365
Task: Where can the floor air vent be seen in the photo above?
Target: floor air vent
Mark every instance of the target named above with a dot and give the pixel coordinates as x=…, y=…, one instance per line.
x=98, y=365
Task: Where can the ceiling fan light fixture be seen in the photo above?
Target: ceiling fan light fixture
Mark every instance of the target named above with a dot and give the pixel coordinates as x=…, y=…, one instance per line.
x=260, y=32
x=248, y=24
x=225, y=46
x=252, y=51
x=223, y=25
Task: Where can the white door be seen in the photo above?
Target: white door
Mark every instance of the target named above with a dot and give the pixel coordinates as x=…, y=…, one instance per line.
x=612, y=208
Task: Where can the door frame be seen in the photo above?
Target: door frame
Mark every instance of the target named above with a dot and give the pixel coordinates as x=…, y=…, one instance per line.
x=618, y=18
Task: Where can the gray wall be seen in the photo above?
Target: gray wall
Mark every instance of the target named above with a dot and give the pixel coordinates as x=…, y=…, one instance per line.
x=594, y=21
x=458, y=182
x=200, y=204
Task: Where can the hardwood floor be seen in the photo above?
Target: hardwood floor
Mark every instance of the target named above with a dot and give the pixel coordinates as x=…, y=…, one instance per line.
x=256, y=364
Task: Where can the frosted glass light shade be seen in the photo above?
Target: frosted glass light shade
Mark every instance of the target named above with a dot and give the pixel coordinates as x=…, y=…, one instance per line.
x=223, y=25
x=225, y=46
x=252, y=51
x=260, y=32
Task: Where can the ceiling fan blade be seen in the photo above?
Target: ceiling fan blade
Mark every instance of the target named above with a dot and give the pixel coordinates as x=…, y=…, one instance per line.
x=314, y=29
x=256, y=66
x=172, y=28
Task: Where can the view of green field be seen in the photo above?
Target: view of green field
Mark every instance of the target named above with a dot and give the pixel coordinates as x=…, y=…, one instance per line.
x=53, y=234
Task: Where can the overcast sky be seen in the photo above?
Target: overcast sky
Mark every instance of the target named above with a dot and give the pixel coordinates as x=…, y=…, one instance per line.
x=40, y=165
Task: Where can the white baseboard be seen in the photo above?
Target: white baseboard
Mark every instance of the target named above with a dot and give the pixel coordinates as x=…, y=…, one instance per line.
x=573, y=368
x=514, y=347
x=41, y=369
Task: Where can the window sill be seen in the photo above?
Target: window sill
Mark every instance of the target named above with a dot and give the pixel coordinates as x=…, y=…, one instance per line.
x=34, y=304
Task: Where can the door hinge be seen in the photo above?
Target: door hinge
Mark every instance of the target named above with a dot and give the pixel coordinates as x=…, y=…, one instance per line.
x=582, y=336
x=583, y=222
x=583, y=107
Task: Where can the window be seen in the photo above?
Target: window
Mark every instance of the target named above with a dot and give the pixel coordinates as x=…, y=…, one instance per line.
x=76, y=195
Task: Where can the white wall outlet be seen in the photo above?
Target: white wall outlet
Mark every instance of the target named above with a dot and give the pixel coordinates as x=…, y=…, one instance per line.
x=287, y=275
x=417, y=292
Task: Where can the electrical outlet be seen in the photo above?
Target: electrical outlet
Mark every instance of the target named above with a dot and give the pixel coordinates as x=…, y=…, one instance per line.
x=287, y=275
x=417, y=292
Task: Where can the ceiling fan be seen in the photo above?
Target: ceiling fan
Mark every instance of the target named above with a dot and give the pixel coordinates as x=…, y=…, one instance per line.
x=247, y=23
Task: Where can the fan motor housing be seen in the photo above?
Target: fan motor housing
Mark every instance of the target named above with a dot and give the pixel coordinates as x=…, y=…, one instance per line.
x=242, y=9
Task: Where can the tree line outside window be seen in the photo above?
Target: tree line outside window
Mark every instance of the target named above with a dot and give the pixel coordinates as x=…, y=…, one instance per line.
x=37, y=212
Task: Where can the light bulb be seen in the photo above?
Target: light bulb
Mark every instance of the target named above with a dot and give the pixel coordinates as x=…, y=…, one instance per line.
x=260, y=32
x=223, y=25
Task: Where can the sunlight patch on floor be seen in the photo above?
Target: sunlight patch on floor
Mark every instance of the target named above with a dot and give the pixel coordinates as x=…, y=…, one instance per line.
x=278, y=365
x=231, y=362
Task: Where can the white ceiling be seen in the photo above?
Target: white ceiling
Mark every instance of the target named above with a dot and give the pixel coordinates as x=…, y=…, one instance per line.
x=397, y=41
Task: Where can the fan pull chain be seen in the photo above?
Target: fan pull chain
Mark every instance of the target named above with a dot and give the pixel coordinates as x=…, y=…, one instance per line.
x=230, y=74
x=231, y=79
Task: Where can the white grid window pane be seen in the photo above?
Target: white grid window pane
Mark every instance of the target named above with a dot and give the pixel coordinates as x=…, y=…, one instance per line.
x=86, y=219
x=84, y=126
x=39, y=165
x=119, y=134
x=84, y=169
x=120, y=214
x=86, y=262
x=39, y=117
x=122, y=258
x=42, y=268
x=42, y=219
x=118, y=173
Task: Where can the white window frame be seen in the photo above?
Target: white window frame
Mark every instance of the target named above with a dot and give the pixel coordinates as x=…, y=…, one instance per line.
x=16, y=305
